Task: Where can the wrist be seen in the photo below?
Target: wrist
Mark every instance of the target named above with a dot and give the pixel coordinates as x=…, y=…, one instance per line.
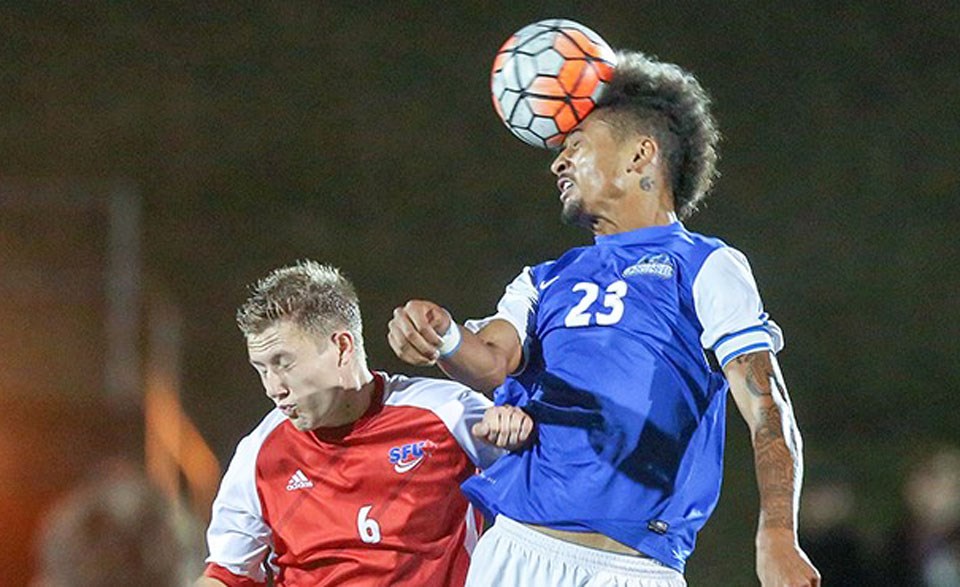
x=450, y=340
x=767, y=537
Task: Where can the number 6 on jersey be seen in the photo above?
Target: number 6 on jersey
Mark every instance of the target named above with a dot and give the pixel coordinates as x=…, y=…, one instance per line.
x=368, y=527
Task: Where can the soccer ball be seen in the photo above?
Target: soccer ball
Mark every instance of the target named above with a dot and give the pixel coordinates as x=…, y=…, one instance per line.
x=546, y=78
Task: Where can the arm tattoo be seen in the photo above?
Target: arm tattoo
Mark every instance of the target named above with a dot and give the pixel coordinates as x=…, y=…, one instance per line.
x=776, y=445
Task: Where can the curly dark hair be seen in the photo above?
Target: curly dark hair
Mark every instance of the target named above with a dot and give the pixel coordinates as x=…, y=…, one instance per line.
x=646, y=95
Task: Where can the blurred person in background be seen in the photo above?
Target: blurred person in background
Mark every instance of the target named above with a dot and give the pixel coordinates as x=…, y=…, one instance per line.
x=827, y=531
x=117, y=530
x=924, y=549
x=353, y=479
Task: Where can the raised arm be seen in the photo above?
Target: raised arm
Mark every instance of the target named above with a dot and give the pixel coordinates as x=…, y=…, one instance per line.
x=761, y=396
x=420, y=328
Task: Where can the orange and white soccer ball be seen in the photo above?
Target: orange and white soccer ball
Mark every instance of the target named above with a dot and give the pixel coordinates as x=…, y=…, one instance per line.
x=546, y=78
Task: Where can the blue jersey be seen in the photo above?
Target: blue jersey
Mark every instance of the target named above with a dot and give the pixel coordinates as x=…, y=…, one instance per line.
x=623, y=342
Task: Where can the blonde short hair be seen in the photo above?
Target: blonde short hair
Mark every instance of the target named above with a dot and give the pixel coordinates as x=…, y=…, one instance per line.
x=316, y=297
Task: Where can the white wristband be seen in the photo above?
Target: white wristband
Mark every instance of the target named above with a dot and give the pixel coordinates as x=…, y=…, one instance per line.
x=450, y=341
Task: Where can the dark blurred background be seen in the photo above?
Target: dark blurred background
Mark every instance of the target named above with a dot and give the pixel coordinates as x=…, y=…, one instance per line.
x=230, y=138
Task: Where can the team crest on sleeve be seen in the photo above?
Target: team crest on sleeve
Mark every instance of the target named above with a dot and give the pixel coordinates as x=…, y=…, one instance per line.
x=658, y=265
x=408, y=457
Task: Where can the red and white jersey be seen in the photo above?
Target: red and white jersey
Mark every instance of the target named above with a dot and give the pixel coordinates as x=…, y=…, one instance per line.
x=377, y=502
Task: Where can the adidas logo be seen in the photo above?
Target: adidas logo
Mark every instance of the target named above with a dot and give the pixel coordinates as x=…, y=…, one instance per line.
x=299, y=481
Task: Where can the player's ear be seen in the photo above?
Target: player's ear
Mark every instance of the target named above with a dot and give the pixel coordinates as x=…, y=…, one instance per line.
x=346, y=346
x=645, y=150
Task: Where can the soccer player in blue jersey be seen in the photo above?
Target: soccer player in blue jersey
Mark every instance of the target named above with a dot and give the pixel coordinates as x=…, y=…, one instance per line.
x=622, y=352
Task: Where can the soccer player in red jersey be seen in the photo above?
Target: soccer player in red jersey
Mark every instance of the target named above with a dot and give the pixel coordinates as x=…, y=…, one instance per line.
x=354, y=478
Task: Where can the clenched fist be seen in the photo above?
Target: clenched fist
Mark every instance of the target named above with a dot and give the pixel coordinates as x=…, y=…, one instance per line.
x=415, y=330
x=507, y=427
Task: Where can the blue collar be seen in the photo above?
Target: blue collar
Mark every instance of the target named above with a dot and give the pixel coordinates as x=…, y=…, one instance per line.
x=649, y=234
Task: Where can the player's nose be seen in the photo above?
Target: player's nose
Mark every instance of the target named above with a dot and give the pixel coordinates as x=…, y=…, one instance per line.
x=274, y=387
x=560, y=164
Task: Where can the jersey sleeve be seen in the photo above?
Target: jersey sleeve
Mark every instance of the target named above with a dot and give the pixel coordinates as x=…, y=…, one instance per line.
x=238, y=537
x=729, y=308
x=215, y=571
x=518, y=306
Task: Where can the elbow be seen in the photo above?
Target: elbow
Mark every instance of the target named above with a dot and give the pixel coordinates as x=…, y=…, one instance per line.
x=484, y=381
x=501, y=364
x=488, y=384
x=490, y=379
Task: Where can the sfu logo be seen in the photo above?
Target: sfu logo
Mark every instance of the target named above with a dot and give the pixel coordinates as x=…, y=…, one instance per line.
x=408, y=456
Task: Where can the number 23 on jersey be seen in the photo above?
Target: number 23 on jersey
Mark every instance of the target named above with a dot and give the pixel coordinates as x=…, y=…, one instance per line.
x=610, y=313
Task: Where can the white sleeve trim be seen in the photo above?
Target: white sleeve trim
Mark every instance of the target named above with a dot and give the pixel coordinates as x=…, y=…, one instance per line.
x=518, y=305
x=729, y=308
x=238, y=537
x=457, y=406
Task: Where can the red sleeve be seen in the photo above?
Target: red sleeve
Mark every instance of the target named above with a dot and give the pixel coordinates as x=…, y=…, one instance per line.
x=215, y=571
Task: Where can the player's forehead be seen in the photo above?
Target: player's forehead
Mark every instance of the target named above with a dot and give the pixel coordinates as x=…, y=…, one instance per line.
x=283, y=337
x=591, y=127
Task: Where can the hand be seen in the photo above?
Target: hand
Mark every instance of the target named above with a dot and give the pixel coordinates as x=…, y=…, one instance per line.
x=781, y=562
x=415, y=330
x=506, y=427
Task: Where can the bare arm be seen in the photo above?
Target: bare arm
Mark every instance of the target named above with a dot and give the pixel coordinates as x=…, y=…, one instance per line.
x=761, y=396
x=208, y=582
x=482, y=361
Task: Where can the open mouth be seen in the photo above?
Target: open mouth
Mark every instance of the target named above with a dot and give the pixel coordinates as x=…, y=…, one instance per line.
x=565, y=185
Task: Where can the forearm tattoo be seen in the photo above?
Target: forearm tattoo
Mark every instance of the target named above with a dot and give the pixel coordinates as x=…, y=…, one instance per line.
x=776, y=445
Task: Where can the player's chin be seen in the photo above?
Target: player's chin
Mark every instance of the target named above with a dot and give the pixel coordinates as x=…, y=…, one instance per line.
x=573, y=214
x=302, y=424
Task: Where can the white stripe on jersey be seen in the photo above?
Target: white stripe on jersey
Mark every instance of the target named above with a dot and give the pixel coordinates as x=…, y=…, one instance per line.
x=472, y=534
x=727, y=303
x=518, y=306
x=238, y=537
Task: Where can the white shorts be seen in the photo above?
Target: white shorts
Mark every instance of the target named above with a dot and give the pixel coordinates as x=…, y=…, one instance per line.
x=511, y=555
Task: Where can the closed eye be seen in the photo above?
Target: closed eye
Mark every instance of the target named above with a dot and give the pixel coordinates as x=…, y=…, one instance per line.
x=282, y=362
x=573, y=140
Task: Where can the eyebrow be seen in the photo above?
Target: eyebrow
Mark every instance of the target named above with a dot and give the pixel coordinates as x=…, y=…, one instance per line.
x=272, y=359
x=571, y=134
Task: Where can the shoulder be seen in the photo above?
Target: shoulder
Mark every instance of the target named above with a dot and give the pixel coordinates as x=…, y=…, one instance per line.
x=251, y=444
x=697, y=252
x=238, y=490
x=533, y=274
x=538, y=274
x=722, y=264
x=705, y=240
x=426, y=392
x=457, y=406
x=566, y=258
x=699, y=246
